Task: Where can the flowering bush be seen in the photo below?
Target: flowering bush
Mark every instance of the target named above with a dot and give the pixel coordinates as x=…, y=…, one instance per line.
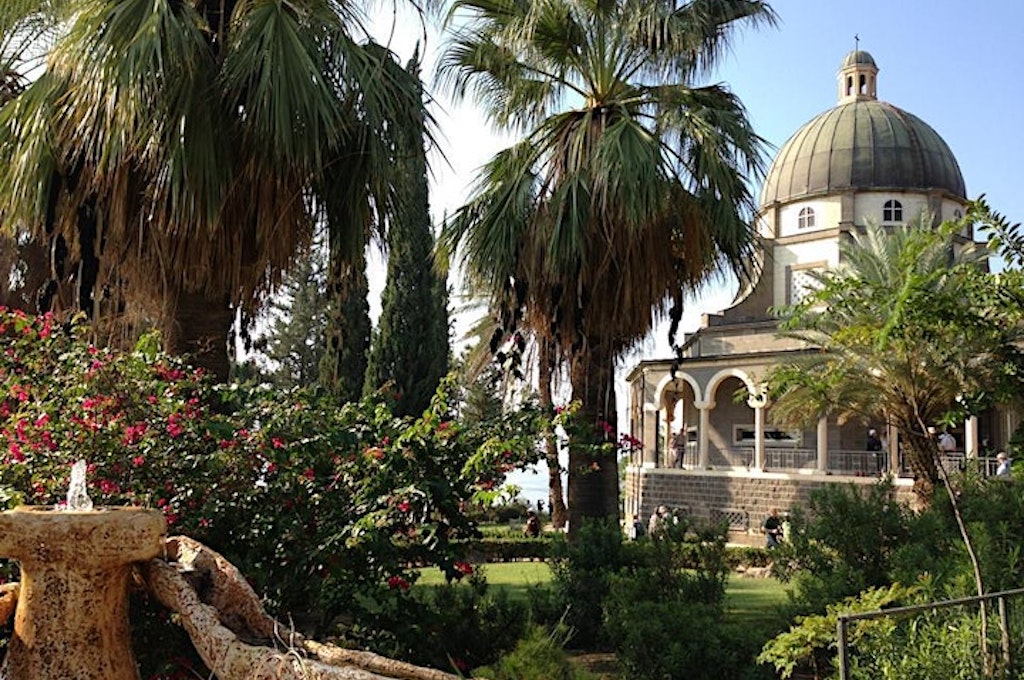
x=325, y=507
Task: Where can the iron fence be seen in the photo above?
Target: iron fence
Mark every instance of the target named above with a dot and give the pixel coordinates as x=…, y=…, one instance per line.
x=1005, y=647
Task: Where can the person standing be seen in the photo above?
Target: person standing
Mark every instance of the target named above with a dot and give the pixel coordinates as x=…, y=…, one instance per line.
x=874, y=447
x=532, y=528
x=772, y=529
x=947, y=442
x=1002, y=465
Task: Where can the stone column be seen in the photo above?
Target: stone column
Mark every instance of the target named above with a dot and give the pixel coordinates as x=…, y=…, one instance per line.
x=971, y=437
x=703, y=441
x=757, y=402
x=822, y=460
x=758, y=437
x=650, y=435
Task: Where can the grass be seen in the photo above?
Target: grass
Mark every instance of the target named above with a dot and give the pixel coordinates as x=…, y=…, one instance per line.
x=747, y=600
x=516, y=578
x=753, y=600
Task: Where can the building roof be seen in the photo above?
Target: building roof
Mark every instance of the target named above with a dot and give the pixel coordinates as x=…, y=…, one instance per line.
x=862, y=144
x=858, y=57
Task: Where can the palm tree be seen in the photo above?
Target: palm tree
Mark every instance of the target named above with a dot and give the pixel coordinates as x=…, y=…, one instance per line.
x=912, y=330
x=628, y=189
x=183, y=150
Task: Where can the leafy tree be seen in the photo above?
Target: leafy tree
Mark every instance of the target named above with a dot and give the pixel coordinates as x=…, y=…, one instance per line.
x=628, y=188
x=409, y=353
x=912, y=330
x=295, y=340
x=183, y=151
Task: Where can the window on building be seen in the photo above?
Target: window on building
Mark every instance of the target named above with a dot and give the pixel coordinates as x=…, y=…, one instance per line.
x=892, y=211
x=957, y=215
x=863, y=84
x=805, y=220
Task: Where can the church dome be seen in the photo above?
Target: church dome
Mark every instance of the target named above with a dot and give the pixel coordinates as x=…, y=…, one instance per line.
x=862, y=144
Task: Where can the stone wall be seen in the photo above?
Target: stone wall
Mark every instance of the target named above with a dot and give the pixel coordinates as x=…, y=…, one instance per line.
x=740, y=496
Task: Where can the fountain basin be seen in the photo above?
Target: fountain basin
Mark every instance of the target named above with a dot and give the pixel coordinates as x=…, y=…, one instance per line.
x=71, y=620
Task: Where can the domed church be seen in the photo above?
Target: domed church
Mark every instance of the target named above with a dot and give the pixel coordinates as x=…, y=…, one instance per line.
x=713, y=455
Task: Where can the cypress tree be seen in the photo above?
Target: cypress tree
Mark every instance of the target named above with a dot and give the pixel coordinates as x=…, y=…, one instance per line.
x=410, y=346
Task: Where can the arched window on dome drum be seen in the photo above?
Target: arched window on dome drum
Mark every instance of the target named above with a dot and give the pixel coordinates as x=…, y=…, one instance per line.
x=805, y=220
x=892, y=211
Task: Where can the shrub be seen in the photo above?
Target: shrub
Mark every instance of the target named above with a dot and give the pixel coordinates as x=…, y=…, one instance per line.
x=323, y=506
x=538, y=656
x=581, y=571
x=845, y=541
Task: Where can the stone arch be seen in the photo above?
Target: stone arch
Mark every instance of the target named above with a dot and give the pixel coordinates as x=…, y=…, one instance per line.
x=668, y=380
x=718, y=378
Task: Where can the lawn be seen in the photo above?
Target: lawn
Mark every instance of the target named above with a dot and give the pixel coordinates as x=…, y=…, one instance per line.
x=752, y=600
x=514, y=577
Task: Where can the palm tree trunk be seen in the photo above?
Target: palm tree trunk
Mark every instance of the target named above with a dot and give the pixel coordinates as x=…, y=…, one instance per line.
x=556, y=501
x=593, y=459
x=920, y=450
x=197, y=325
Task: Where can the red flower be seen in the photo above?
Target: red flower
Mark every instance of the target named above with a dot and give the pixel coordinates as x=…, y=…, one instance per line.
x=138, y=461
x=309, y=474
x=399, y=583
x=404, y=506
x=464, y=568
x=108, y=487
x=277, y=443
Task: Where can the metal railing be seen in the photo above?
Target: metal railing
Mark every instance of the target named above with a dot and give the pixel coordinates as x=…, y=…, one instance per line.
x=844, y=620
x=790, y=459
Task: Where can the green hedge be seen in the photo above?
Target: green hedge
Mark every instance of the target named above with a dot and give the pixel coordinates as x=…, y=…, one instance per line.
x=505, y=549
x=512, y=548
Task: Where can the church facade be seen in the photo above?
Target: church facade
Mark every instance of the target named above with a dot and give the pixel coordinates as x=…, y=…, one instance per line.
x=703, y=418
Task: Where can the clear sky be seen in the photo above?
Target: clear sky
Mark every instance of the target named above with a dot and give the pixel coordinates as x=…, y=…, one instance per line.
x=954, y=64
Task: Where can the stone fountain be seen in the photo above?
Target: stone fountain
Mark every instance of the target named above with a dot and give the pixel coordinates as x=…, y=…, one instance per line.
x=71, y=606
x=71, y=618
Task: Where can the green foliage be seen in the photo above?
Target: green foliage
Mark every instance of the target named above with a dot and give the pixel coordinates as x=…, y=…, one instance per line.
x=295, y=341
x=343, y=364
x=811, y=642
x=670, y=599
x=588, y=226
x=410, y=348
x=581, y=571
x=538, y=656
x=843, y=542
x=323, y=507
x=947, y=346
